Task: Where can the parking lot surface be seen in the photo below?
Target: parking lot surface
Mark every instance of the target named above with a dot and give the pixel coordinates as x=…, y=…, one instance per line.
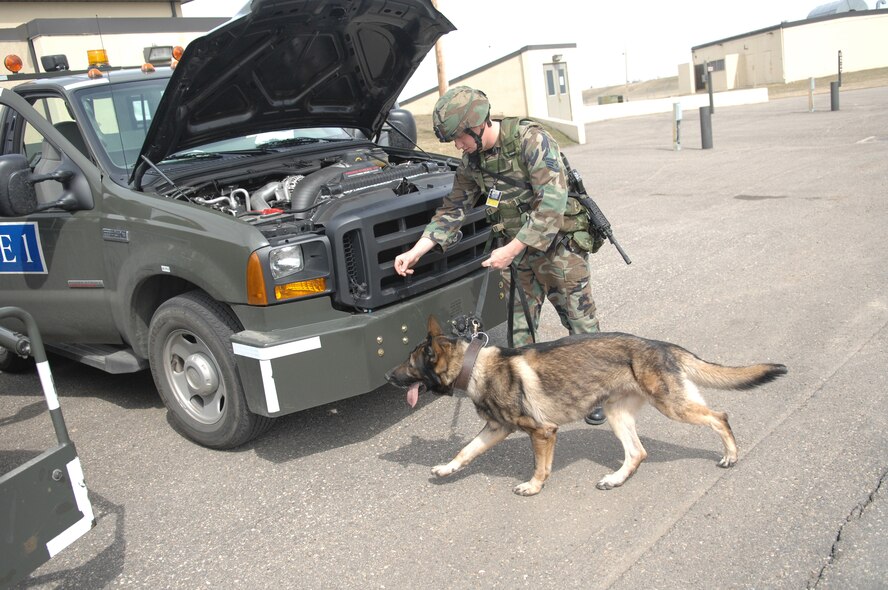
x=770, y=247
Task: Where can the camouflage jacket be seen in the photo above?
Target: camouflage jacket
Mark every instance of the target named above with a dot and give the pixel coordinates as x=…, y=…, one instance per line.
x=533, y=211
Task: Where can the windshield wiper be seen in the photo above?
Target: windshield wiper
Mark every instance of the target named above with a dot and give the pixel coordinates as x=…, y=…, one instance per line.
x=192, y=156
x=294, y=141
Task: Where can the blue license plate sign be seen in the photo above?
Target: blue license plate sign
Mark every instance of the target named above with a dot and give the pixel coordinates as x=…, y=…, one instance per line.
x=20, y=249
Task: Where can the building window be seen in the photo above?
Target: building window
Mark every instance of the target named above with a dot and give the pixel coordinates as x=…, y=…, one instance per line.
x=550, y=82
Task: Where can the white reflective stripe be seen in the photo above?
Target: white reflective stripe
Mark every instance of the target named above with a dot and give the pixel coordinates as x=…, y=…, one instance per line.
x=82, y=526
x=52, y=400
x=276, y=352
x=271, y=394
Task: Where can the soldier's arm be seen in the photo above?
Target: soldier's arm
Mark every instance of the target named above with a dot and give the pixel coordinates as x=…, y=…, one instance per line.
x=548, y=179
x=443, y=230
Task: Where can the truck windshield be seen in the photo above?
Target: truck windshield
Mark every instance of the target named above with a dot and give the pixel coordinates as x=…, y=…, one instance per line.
x=119, y=116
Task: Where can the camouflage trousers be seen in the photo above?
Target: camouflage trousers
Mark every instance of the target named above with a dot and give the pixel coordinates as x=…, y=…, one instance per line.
x=560, y=276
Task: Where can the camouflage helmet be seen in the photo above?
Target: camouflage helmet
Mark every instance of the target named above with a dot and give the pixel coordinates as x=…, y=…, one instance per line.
x=458, y=109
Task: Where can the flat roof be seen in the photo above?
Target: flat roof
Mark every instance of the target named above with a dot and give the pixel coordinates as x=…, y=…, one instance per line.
x=109, y=26
x=798, y=23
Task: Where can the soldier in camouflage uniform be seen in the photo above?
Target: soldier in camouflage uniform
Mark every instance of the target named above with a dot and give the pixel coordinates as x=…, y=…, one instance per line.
x=517, y=167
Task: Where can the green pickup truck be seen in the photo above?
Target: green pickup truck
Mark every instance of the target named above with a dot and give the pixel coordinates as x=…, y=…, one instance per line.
x=231, y=224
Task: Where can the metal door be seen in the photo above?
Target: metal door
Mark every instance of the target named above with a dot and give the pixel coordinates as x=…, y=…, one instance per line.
x=557, y=90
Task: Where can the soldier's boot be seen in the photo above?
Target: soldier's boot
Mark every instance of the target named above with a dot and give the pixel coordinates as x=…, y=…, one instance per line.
x=596, y=416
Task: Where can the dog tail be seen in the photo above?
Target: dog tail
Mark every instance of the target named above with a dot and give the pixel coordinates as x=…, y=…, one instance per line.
x=721, y=377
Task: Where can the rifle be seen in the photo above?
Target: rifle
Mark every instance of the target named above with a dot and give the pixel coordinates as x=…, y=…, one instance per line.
x=598, y=223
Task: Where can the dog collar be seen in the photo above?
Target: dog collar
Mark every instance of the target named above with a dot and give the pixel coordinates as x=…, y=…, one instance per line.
x=475, y=346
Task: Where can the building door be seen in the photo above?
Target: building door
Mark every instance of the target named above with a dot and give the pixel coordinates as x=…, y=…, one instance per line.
x=557, y=91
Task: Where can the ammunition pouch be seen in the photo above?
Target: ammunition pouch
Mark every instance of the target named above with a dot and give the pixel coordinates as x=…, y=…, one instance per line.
x=576, y=225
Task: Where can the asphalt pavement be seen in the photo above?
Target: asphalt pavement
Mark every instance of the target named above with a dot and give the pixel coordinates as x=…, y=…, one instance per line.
x=770, y=247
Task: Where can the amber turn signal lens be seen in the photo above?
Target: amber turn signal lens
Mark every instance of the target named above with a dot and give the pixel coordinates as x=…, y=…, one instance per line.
x=177, y=52
x=300, y=289
x=256, y=294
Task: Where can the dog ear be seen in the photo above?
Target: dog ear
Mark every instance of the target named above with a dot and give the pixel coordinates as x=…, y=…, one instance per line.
x=437, y=348
x=431, y=351
x=434, y=326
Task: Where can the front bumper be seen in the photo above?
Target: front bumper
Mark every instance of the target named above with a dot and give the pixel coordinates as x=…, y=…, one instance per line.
x=336, y=356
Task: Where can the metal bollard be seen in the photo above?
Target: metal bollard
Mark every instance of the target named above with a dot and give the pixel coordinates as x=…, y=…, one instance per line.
x=676, y=126
x=834, y=96
x=810, y=95
x=706, y=127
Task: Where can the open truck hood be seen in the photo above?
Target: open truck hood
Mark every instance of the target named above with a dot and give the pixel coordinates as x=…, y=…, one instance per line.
x=281, y=64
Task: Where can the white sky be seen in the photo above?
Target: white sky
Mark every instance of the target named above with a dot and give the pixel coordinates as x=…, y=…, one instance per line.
x=644, y=39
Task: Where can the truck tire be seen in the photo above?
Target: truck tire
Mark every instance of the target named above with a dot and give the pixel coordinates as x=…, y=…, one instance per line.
x=13, y=363
x=192, y=361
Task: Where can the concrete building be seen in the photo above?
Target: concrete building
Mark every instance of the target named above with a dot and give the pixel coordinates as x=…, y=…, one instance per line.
x=34, y=29
x=797, y=50
x=531, y=82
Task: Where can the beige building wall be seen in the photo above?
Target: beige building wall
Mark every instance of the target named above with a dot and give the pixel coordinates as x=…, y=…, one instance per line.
x=789, y=53
x=756, y=60
x=12, y=14
x=685, y=78
x=516, y=87
x=123, y=50
x=503, y=84
x=535, y=90
x=812, y=51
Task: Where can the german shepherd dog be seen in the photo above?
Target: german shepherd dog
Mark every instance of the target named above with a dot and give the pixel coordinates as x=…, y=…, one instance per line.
x=539, y=387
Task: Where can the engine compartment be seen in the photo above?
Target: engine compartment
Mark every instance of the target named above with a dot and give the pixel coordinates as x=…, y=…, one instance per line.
x=301, y=198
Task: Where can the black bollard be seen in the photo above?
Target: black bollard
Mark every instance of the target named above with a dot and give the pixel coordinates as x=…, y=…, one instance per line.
x=706, y=127
x=834, y=96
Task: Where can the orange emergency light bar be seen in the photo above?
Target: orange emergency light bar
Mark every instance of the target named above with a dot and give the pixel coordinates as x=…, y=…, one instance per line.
x=97, y=58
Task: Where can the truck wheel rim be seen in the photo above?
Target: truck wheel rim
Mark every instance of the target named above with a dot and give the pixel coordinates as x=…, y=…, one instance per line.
x=193, y=375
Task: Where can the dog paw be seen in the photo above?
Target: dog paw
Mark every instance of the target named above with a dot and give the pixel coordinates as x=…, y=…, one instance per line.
x=727, y=462
x=527, y=488
x=606, y=483
x=442, y=470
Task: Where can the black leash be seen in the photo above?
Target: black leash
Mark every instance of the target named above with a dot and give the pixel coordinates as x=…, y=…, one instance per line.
x=513, y=280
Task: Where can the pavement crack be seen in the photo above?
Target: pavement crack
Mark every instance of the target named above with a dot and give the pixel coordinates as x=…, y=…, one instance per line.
x=855, y=514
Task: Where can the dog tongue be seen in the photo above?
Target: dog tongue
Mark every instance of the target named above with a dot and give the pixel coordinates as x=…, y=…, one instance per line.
x=413, y=394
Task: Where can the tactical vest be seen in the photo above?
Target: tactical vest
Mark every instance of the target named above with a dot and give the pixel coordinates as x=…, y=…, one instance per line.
x=517, y=198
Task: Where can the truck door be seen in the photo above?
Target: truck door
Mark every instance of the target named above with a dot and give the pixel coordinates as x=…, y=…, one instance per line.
x=51, y=262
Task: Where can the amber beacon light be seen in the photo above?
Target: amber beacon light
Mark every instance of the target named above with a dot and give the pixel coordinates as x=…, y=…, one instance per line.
x=13, y=63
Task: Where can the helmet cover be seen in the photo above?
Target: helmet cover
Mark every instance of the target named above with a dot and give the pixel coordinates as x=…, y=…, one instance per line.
x=458, y=109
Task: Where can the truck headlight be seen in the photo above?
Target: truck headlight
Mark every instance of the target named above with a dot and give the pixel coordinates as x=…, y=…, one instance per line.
x=286, y=261
x=276, y=274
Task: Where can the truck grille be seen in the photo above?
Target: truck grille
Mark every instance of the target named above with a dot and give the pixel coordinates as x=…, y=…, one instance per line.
x=368, y=234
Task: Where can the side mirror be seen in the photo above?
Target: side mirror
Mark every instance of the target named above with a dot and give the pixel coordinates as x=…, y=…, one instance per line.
x=17, y=195
x=399, y=120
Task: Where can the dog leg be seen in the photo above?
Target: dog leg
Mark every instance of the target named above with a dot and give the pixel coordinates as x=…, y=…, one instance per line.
x=622, y=422
x=490, y=435
x=543, y=440
x=696, y=413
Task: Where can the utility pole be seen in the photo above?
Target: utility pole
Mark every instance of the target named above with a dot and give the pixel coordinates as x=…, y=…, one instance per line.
x=439, y=61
